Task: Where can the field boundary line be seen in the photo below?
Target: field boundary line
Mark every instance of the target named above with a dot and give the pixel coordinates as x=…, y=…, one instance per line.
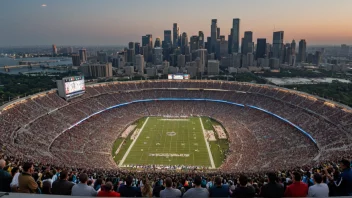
x=207, y=144
x=133, y=142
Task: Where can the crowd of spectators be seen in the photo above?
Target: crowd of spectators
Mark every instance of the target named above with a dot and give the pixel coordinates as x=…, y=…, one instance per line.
x=326, y=179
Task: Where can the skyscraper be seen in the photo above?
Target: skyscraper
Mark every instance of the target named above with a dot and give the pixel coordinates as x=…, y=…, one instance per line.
x=213, y=35
x=218, y=33
x=202, y=55
x=247, y=43
x=102, y=57
x=167, y=38
x=157, y=55
x=176, y=33
x=201, y=39
x=235, y=33
x=145, y=41
x=137, y=47
x=194, y=43
x=302, y=50
x=130, y=55
x=131, y=45
x=83, y=55
x=54, y=50
x=278, y=41
x=293, y=47
x=184, y=39
x=76, y=60
x=261, y=48
x=150, y=40
x=157, y=42
x=140, y=63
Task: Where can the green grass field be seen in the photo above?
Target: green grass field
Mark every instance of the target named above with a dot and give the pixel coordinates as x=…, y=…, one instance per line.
x=165, y=141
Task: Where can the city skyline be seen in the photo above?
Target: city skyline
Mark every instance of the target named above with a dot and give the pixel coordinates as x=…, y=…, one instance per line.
x=114, y=23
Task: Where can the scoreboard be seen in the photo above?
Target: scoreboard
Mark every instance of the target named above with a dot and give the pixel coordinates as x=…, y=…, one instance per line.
x=70, y=87
x=178, y=76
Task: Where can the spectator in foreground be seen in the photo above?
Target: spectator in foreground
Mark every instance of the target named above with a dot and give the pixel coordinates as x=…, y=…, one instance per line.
x=344, y=182
x=108, y=191
x=157, y=188
x=146, y=189
x=243, y=190
x=197, y=191
x=219, y=190
x=62, y=186
x=297, y=188
x=15, y=172
x=319, y=189
x=128, y=190
x=26, y=182
x=169, y=191
x=272, y=188
x=82, y=189
x=5, y=178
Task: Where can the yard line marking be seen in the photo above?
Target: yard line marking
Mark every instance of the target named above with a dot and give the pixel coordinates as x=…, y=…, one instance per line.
x=207, y=144
x=133, y=142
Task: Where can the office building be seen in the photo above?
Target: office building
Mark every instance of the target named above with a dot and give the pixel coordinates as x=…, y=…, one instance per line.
x=236, y=60
x=83, y=55
x=222, y=48
x=293, y=47
x=181, y=61
x=213, y=35
x=157, y=42
x=202, y=55
x=157, y=56
x=139, y=63
x=247, y=43
x=131, y=45
x=213, y=67
x=76, y=60
x=250, y=59
x=129, y=70
x=102, y=57
x=151, y=71
x=96, y=70
x=167, y=38
x=218, y=33
x=302, y=51
x=235, y=36
x=261, y=48
x=54, y=50
x=274, y=63
x=137, y=48
x=130, y=55
x=176, y=33
x=278, y=41
x=194, y=43
x=201, y=39
x=317, y=58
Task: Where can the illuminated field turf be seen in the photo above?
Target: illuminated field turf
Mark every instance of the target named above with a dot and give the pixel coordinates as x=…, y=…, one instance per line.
x=169, y=141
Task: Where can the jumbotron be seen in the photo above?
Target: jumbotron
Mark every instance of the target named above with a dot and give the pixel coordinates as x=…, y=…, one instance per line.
x=269, y=128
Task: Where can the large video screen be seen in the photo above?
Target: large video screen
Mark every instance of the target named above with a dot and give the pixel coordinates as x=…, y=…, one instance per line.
x=178, y=76
x=74, y=86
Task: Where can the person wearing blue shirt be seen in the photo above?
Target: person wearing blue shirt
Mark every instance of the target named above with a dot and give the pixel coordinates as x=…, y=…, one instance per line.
x=219, y=190
x=128, y=190
x=344, y=182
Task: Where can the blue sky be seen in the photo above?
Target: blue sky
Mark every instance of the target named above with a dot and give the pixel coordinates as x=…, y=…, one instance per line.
x=93, y=22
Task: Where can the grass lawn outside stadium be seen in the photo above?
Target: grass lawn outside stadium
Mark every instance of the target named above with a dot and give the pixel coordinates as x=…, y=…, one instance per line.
x=170, y=141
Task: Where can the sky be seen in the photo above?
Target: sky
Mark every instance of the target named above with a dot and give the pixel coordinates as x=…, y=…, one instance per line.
x=117, y=22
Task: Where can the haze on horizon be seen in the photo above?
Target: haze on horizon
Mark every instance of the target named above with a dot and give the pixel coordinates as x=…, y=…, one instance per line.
x=116, y=22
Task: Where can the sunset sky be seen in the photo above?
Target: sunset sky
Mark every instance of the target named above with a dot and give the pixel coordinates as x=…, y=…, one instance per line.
x=116, y=22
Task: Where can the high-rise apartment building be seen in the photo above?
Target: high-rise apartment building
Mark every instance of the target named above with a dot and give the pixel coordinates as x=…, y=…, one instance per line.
x=96, y=70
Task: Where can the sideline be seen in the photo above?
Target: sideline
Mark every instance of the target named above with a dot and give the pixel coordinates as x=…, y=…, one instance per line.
x=134, y=141
x=207, y=144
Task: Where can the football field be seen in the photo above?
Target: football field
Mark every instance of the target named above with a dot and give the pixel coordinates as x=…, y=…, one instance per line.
x=169, y=141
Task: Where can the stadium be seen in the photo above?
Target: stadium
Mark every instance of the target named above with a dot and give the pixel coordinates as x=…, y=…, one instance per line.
x=266, y=128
